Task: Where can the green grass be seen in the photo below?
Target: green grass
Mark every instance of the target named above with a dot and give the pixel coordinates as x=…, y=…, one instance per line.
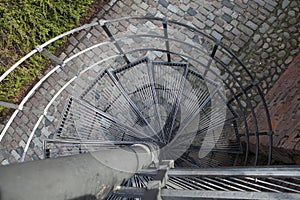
x=25, y=24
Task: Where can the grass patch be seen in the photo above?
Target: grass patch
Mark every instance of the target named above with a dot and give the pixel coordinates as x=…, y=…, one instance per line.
x=25, y=24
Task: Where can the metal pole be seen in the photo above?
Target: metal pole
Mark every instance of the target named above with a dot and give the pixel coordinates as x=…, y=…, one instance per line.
x=91, y=175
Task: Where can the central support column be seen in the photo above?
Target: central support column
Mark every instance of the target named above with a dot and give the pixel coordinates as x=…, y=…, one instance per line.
x=85, y=175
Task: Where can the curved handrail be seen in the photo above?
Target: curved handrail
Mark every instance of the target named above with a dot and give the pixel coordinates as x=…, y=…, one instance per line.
x=104, y=22
x=83, y=71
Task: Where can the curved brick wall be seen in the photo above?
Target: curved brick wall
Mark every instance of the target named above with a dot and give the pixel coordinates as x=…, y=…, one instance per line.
x=284, y=105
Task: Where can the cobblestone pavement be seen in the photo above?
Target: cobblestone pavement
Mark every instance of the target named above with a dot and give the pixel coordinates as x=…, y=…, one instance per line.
x=265, y=35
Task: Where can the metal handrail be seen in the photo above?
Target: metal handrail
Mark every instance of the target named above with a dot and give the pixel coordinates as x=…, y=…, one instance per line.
x=216, y=43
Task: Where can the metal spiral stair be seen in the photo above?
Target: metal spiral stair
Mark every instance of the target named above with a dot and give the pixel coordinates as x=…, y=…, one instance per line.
x=168, y=84
x=144, y=101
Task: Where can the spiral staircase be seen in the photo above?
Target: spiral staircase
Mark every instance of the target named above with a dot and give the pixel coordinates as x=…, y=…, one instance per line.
x=156, y=81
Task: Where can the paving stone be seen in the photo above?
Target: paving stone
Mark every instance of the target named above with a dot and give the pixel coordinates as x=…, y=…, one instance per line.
x=73, y=41
x=150, y=25
x=285, y=3
x=269, y=7
x=229, y=35
x=15, y=155
x=238, y=10
x=199, y=25
x=264, y=28
x=271, y=2
x=227, y=10
x=20, y=150
x=246, y=30
x=196, y=39
x=19, y=131
x=252, y=25
x=239, y=42
x=264, y=11
x=270, y=50
x=234, y=15
x=35, y=157
x=218, y=28
x=38, y=142
x=209, y=7
x=220, y=22
x=234, y=48
x=281, y=54
x=96, y=33
x=217, y=35
x=172, y=8
x=200, y=17
x=45, y=132
x=292, y=13
x=236, y=32
x=144, y=6
x=260, y=2
x=209, y=23
x=47, y=122
x=163, y=3
x=227, y=18
x=132, y=28
x=183, y=7
x=266, y=45
x=193, y=4
x=38, y=132
x=228, y=4
x=31, y=145
x=5, y=162
x=191, y=12
x=24, y=118
x=253, y=5
x=289, y=60
x=294, y=4
x=80, y=35
x=202, y=11
x=226, y=60
x=256, y=38
x=22, y=143
x=211, y=16
x=137, y=1
x=272, y=19
x=50, y=118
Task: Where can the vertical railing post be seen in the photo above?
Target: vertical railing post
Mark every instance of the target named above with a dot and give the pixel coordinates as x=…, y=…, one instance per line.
x=165, y=26
x=213, y=53
x=112, y=39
